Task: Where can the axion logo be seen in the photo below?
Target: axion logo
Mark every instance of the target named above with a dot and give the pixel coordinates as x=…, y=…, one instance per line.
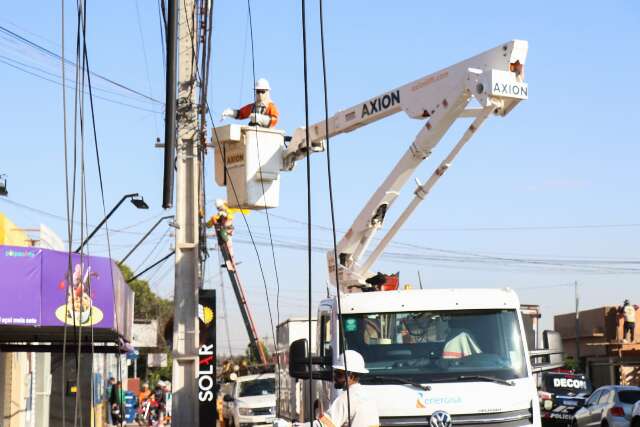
x=381, y=103
x=206, y=372
x=511, y=89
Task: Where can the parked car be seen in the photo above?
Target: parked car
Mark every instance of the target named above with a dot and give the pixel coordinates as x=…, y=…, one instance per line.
x=608, y=406
x=253, y=401
x=635, y=414
x=561, y=394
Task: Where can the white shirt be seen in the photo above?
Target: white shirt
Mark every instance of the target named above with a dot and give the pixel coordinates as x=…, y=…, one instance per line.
x=629, y=313
x=364, y=412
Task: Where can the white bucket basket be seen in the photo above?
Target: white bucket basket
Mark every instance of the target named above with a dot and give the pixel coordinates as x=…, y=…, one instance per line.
x=253, y=157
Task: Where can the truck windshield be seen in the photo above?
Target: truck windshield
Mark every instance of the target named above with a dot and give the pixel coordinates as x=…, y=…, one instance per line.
x=431, y=345
x=257, y=387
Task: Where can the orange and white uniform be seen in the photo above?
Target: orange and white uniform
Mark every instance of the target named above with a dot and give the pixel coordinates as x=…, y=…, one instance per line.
x=266, y=115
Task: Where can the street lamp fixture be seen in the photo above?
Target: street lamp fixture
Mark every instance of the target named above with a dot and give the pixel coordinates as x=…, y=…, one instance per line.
x=3, y=185
x=136, y=200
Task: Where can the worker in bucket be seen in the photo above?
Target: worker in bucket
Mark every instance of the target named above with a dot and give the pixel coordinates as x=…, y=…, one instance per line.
x=262, y=112
x=354, y=404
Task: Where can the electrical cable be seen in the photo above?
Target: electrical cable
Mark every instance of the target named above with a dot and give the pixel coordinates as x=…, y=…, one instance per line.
x=311, y=408
x=255, y=247
x=166, y=233
x=341, y=336
x=163, y=30
x=86, y=66
x=69, y=219
x=43, y=49
x=19, y=65
x=59, y=83
x=146, y=61
x=273, y=254
x=77, y=327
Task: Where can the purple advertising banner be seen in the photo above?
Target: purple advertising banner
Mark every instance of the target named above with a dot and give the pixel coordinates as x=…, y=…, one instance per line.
x=41, y=288
x=20, y=286
x=86, y=296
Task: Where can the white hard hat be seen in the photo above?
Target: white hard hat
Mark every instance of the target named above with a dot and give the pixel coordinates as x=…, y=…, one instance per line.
x=262, y=84
x=220, y=203
x=160, y=383
x=355, y=362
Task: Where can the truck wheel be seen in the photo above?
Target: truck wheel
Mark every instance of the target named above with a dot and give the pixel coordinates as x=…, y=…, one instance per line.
x=635, y=422
x=604, y=423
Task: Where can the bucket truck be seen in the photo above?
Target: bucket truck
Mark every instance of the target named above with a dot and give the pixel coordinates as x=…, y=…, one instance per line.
x=435, y=356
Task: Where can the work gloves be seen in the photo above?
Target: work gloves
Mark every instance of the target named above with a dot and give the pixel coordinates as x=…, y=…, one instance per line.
x=260, y=119
x=229, y=112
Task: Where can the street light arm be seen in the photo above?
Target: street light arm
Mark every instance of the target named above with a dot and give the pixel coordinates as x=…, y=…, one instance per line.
x=125, y=197
x=160, y=261
x=143, y=238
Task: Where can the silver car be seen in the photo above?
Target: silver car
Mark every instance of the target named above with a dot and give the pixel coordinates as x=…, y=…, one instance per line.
x=608, y=406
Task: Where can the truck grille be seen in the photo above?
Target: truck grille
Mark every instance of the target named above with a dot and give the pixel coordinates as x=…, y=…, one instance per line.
x=517, y=418
x=261, y=411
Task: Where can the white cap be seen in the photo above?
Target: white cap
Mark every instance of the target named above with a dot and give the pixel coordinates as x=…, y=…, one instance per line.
x=262, y=84
x=160, y=383
x=355, y=362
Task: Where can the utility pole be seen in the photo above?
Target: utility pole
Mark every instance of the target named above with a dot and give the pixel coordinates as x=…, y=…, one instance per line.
x=575, y=291
x=187, y=280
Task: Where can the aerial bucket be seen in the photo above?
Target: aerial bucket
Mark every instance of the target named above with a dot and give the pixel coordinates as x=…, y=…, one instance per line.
x=253, y=159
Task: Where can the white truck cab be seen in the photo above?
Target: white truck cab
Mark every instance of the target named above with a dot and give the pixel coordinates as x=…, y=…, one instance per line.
x=459, y=351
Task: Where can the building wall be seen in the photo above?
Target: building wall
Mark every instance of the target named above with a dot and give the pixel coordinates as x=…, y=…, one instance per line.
x=12, y=389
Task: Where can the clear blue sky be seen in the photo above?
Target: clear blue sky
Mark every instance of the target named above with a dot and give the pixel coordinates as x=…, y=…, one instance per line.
x=565, y=157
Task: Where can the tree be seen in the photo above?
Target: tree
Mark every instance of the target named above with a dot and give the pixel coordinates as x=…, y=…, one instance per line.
x=571, y=363
x=149, y=306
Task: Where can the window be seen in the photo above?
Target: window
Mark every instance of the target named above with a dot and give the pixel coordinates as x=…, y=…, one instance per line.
x=605, y=397
x=430, y=345
x=629, y=396
x=258, y=387
x=325, y=333
x=594, y=397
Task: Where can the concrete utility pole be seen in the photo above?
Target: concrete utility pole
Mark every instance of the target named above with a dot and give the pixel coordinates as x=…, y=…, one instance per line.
x=187, y=280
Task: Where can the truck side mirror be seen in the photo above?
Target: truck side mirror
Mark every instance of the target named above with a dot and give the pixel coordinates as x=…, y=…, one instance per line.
x=298, y=359
x=299, y=362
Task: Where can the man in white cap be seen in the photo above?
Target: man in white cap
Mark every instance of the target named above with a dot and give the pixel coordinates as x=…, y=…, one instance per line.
x=353, y=403
x=262, y=112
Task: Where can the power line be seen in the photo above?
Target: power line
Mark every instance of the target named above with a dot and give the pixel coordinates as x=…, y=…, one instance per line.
x=273, y=254
x=44, y=50
x=68, y=87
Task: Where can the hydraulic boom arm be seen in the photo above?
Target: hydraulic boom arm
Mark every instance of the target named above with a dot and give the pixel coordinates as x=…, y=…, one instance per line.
x=494, y=78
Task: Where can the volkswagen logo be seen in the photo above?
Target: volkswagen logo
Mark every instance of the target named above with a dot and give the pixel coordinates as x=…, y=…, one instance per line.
x=440, y=419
